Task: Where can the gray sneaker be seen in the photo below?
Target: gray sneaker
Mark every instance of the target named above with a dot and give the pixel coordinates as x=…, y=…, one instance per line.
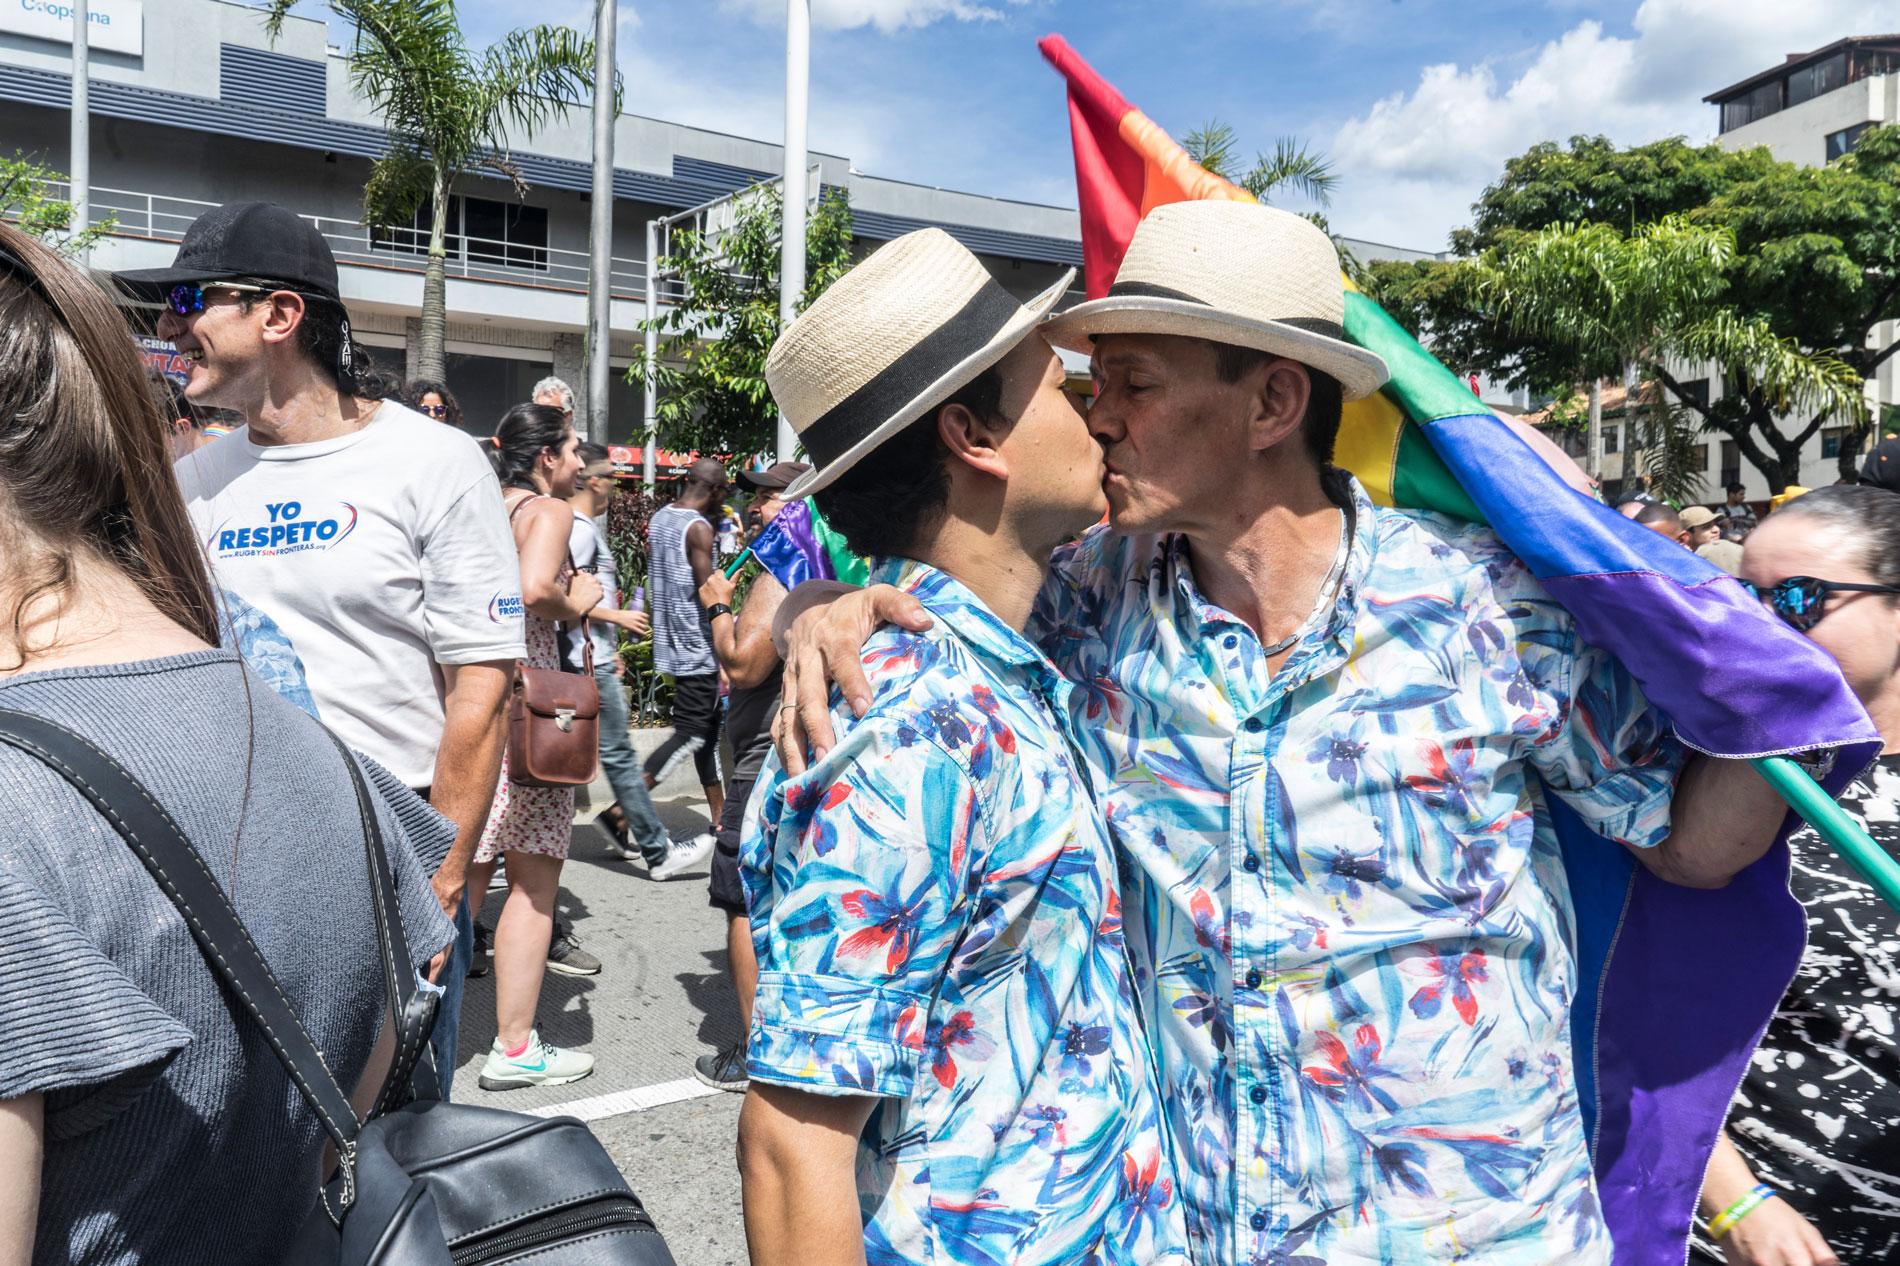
x=567, y=958
x=723, y=1070
x=683, y=854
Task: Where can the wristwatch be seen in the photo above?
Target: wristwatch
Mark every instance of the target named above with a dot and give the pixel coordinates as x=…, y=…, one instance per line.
x=716, y=610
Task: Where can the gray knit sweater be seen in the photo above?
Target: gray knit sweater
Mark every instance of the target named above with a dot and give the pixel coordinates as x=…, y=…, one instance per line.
x=172, y=1133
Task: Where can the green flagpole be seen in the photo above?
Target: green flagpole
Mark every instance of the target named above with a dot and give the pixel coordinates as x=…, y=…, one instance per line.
x=1833, y=824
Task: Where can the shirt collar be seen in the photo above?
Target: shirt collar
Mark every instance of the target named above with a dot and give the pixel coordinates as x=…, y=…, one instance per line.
x=965, y=615
x=1333, y=626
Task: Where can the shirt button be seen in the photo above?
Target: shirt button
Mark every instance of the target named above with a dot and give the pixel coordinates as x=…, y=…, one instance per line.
x=1251, y=864
x=1253, y=979
x=1251, y=725
x=1232, y=641
x=1259, y=1221
x=1258, y=1094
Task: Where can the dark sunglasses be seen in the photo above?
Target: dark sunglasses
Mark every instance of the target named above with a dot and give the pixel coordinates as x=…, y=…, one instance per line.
x=434, y=410
x=1802, y=600
x=188, y=297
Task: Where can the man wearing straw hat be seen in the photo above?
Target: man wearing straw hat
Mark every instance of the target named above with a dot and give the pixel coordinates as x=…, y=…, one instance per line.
x=946, y=1061
x=1329, y=735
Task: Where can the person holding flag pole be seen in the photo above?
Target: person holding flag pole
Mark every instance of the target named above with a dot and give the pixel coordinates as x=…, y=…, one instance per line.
x=1369, y=768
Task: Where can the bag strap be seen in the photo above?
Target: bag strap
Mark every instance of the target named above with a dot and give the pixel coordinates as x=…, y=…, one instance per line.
x=587, y=635
x=182, y=875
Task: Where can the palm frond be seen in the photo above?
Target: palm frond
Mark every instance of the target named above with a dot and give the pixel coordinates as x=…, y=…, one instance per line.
x=1212, y=145
x=1292, y=166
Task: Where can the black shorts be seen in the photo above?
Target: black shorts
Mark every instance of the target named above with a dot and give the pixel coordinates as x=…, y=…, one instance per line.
x=725, y=891
x=695, y=730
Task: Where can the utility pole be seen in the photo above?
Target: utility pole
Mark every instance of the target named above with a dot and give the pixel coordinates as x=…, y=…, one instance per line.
x=791, y=274
x=1595, y=433
x=652, y=393
x=80, y=158
x=600, y=291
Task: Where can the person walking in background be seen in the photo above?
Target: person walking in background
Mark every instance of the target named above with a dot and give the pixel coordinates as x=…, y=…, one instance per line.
x=743, y=645
x=680, y=559
x=1809, y=1172
x=1738, y=517
x=371, y=539
x=433, y=400
x=536, y=459
x=185, y=420
x=632, y=823
x=142, y=1118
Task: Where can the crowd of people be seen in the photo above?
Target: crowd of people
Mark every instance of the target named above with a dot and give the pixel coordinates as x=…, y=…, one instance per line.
x=1153, y=863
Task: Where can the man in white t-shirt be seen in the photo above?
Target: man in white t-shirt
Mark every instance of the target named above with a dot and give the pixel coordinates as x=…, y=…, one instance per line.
x=372, y=538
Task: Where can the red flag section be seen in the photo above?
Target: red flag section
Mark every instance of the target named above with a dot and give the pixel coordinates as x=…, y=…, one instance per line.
x=1125, y=166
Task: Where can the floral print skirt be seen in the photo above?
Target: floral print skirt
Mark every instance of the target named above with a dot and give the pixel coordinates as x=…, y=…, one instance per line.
x=525, y=819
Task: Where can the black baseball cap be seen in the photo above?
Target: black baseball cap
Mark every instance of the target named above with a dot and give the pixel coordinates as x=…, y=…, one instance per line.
x=775, y=478
x=1882, y=468
x=247, y=239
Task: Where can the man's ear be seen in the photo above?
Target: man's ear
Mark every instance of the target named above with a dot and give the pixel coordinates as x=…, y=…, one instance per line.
x=1277, y=398
x=285, y=312
x=976, y=441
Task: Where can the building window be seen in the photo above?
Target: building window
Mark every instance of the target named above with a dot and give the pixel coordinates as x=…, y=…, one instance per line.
x=1818, y=79
x=1610, y=434
x=1841, y=142
x=1731, y=462
x=1699, y=457
x=1758, y=104
x=1695, y=393
x=479, y=231
x=1831, y=439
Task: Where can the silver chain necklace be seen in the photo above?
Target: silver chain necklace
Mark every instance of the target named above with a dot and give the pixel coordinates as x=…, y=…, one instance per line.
x=1328, y=589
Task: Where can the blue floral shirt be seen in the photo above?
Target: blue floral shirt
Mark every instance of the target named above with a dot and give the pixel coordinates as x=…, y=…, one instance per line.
x=1345, y=901
x=935, y=906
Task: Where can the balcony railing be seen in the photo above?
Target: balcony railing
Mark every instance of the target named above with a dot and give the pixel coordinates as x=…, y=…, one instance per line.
x=403, y=249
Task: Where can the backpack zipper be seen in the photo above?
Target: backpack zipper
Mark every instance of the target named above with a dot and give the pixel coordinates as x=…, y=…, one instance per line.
x=593, y=1215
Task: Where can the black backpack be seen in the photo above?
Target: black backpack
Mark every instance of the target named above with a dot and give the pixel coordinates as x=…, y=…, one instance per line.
x=422, y=1182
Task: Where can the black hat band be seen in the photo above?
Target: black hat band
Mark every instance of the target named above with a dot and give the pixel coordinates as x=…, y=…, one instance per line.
x=849, y=421
x=1145, y=290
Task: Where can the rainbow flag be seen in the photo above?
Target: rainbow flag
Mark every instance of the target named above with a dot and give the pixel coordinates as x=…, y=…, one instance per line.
x=1676, y=985
x=798, y=545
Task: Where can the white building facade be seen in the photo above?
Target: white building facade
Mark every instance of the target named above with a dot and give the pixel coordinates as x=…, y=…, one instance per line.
x=1811, y=110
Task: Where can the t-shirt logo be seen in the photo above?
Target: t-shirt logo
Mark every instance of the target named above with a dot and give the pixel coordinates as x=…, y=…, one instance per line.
x=289, y=528
x=504, y=606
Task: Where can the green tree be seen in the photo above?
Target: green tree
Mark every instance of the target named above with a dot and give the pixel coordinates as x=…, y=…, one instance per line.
x=709, y=367
x=449, y=111
x=1290, y=167
x=1813, y=271
x=27, y=206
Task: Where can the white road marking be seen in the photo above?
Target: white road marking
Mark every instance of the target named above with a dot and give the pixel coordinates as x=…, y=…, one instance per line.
x=639, y=1099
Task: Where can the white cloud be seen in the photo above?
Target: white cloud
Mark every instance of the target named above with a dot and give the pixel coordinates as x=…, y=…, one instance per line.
x=885, y=15
x=1414, y=162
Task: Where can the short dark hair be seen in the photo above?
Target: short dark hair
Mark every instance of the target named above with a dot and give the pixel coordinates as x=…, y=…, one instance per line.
x=322, y=336
x=1654, y=512
x=1325, y=403
x=1737, y=486
x=887, y=502
x=1871, y=517
x=591, y=452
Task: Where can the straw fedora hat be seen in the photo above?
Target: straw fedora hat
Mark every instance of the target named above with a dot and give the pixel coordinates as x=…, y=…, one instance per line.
x=900, y=333
x=1230, y=272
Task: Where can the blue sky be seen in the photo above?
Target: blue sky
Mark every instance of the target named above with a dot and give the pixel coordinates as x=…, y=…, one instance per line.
x=1417, y=102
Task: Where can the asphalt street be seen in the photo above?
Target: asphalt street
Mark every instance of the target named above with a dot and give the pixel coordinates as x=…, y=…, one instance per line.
x=661, y=999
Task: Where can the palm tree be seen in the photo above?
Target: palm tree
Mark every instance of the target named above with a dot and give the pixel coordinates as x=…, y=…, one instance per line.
x=1290, y=167
x=448, y=111
x=1650, y=300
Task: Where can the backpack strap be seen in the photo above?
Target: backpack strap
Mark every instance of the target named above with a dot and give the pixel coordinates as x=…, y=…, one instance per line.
x=182, y=875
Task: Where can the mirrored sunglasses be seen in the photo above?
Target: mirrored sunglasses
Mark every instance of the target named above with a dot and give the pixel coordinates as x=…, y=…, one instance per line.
x=1801, y=601
x=189, y=297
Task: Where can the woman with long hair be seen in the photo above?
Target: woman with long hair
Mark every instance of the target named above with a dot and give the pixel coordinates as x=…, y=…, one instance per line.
x=142, y=1117
x=1809, y=1171
x=536, y=456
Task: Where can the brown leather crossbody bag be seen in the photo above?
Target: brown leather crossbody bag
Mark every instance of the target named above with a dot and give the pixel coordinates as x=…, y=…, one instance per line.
x=554, y=715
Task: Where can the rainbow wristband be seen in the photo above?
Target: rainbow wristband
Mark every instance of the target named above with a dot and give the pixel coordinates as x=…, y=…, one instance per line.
x=1722, y=1223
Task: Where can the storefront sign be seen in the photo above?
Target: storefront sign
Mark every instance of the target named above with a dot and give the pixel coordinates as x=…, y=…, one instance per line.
x=116, y=26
